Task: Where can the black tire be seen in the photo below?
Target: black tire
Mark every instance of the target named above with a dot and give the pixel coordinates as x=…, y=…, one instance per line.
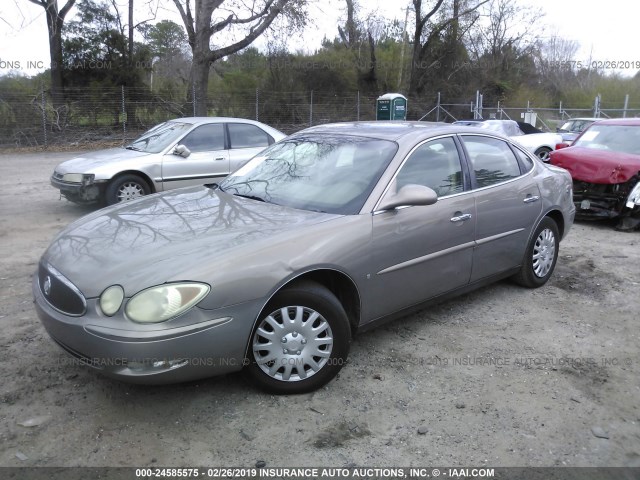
x=535, y=272
x=306, y=371
x=126, y=187
x=543, y=153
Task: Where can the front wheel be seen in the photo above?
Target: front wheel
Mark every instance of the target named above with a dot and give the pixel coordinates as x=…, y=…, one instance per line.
x=125, y=188
x=543, y=153
x=301, y=340
x=541, y=255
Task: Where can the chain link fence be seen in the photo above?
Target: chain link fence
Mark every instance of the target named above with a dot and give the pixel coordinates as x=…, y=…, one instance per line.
x=118, y=115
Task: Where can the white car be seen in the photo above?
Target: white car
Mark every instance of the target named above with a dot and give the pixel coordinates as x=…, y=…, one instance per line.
x=536, y=141
x=178, y=153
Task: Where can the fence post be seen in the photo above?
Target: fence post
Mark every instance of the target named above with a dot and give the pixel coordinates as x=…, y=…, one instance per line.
x=437, y=106
x=44, y=116
x=596, y=106
x=311, y=110
x=358, y=106
x=124, y=119
x=257, y=105
x=193, y=97
x=626, y=106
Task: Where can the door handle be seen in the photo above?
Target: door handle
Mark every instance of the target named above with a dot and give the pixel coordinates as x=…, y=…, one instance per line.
x=461, y=218
x=219, y=158
x=531, y=199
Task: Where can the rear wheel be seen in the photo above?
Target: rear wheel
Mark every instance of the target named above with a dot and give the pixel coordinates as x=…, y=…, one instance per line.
x=541, y=255
x=543, y=153
x=301, y=340
x=125, y=188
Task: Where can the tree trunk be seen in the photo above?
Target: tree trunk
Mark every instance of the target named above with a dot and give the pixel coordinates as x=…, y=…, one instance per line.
x=200, y=79
x=54, y=24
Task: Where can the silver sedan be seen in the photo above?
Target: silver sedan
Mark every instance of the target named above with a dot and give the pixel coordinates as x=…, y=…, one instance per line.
x=177, y=153
x=326, y=233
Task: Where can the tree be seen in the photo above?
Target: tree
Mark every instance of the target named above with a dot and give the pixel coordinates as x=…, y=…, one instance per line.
x=504, y=47
x=210, y=17
x=55, y=22
x=430, y=39
x=355, y=35
x=169, y=53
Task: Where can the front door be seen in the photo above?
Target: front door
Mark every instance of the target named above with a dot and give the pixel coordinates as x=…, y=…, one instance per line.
x=208, y=161
x=421, y=252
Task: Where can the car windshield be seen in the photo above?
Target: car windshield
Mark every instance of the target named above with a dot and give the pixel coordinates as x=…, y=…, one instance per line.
x=159, y=137
x=325, y=173
x=618, y=138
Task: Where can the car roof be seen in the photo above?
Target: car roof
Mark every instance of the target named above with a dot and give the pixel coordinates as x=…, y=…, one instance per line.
x=195, y=120
x=582, y=119
x=634, y=122
x=389, y=130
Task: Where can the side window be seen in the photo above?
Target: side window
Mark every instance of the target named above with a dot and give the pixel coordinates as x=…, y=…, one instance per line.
x=243, y=135
x=435, y=164
x=205, y=138
x=492, y=161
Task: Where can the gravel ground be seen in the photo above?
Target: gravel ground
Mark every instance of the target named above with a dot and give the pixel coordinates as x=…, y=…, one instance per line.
x=501, y=377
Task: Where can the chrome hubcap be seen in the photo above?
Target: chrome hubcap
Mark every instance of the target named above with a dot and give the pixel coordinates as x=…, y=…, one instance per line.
x=544, y=251
x=544, y=155
x=129, y=191
x=292, y=343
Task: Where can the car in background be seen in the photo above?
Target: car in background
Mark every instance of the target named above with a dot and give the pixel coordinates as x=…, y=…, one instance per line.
x=533, y=139
x=604, y=162
x=570, y=130
x=327, y=232
x=178, y=153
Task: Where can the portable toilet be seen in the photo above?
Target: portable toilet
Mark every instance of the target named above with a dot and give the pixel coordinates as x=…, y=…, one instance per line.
x=391, y=106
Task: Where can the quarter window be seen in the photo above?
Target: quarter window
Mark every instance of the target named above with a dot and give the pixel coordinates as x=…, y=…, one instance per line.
x=525, y=160
x=435, y=164
x=492, y=160
x=244, y=135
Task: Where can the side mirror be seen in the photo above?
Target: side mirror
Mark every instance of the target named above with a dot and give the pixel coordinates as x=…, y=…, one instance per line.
x=409, y=195
x=182, y=151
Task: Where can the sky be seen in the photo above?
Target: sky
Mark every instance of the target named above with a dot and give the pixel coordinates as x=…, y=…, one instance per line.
x=604, y=30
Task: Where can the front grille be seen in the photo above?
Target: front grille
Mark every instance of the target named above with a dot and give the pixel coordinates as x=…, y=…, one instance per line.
x=59, y=292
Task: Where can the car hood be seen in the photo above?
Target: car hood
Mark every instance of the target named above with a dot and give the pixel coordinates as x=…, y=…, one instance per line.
x=91, y=161
x=597, y=166
x=171, y=236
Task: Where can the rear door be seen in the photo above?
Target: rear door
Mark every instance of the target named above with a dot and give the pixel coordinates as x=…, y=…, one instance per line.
x=208, y=161
x=420, y=252
x=507, y=203
x=245, y=141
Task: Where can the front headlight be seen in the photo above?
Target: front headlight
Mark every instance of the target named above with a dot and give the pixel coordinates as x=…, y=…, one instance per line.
x=161, y=303
x=111, y=299
x=634, y=197
x=83, y=178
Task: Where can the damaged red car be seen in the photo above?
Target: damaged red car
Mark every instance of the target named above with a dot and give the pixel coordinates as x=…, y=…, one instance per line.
x=604, y=162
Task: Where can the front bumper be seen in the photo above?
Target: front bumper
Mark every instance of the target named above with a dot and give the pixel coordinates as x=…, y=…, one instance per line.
x=78, y=192
x=214, y=344
x=601, y=201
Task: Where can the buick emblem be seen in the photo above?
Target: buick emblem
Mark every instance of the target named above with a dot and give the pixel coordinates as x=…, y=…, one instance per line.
x=47, y=286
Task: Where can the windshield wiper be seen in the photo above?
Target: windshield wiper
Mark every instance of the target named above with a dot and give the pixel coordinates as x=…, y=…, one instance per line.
x=130, y=147
x=250, y=197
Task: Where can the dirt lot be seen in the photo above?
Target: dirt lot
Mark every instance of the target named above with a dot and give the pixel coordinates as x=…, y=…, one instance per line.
x=501, y=377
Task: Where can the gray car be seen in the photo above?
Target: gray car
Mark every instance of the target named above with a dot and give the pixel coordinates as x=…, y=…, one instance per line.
x=177, y=153
x=326, y=233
